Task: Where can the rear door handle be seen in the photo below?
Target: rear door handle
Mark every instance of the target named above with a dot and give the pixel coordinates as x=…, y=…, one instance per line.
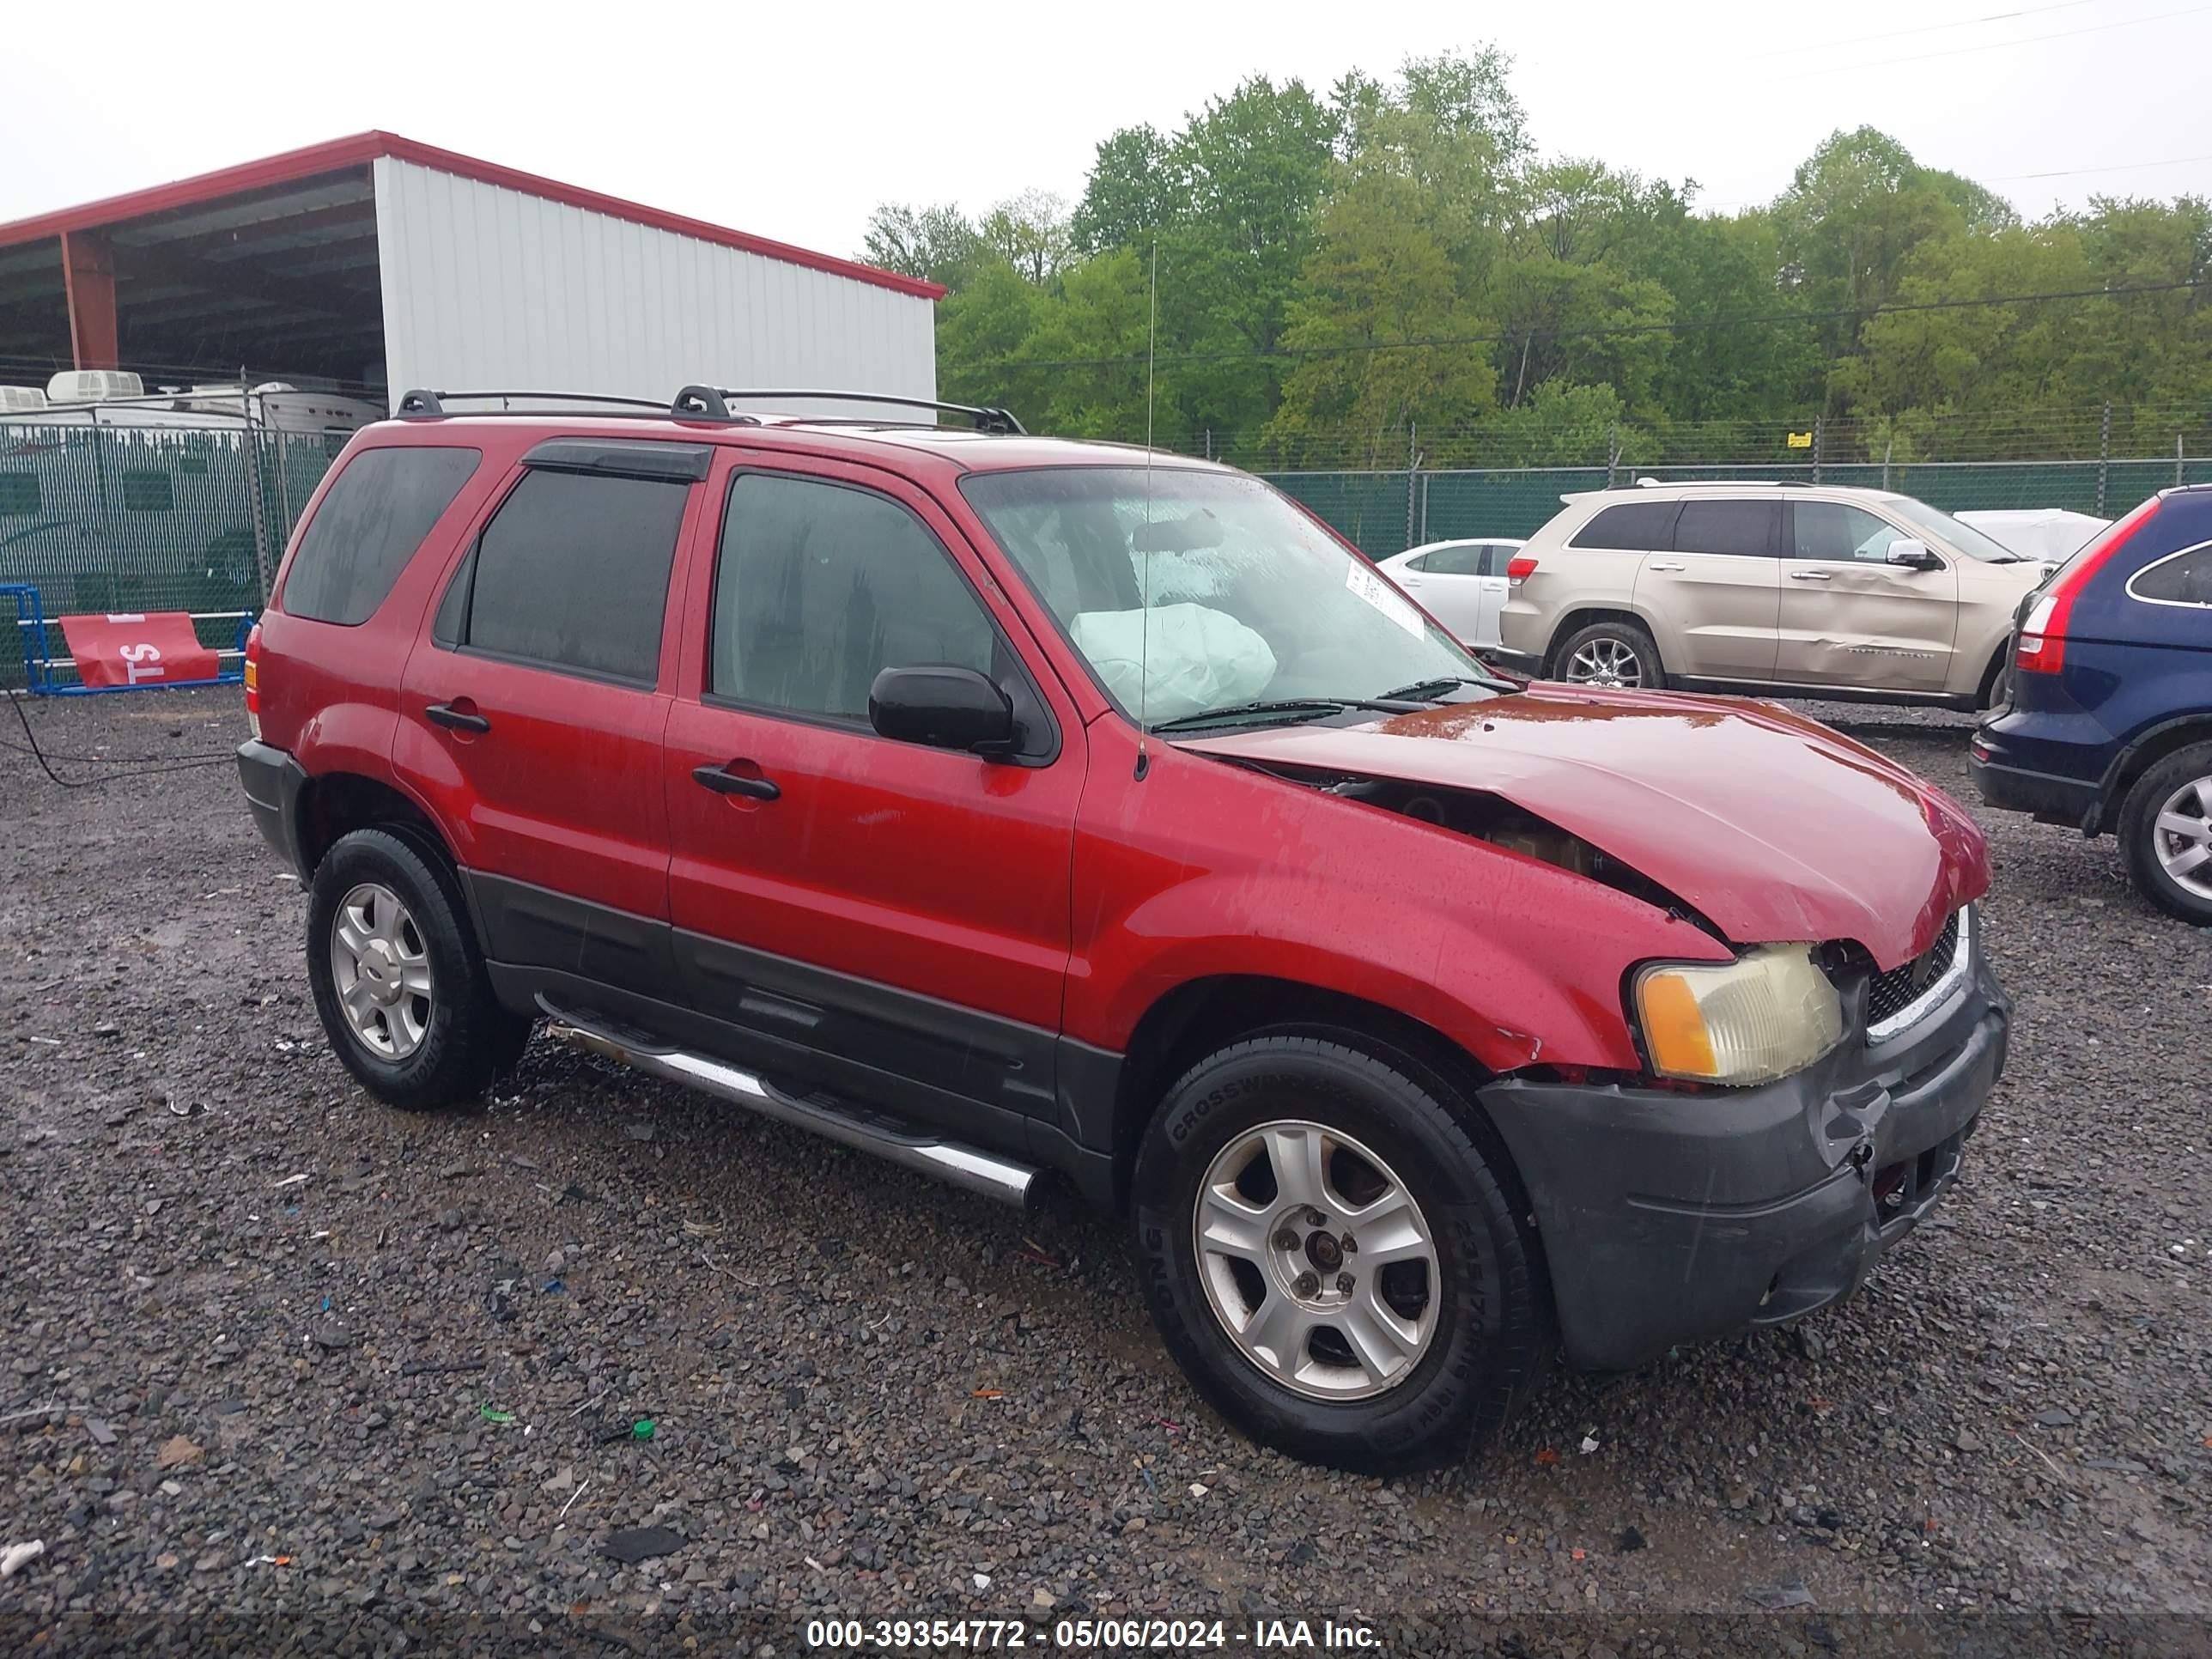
x=1812, y=575
x=1656, y=566
x=723, y=782
x=453, y=720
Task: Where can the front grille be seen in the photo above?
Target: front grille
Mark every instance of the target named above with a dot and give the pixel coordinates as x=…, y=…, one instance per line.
x=1890, y=995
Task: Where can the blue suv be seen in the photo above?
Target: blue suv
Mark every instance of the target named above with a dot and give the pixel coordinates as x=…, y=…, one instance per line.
x=2108, y=721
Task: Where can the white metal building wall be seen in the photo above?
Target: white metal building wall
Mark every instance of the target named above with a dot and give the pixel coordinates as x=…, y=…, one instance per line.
x=490, y=287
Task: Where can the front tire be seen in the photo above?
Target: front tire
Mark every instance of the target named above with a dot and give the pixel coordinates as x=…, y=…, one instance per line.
x=1614, y=654
x=2166, y=834
x=399, y=980
x=1333, y=1260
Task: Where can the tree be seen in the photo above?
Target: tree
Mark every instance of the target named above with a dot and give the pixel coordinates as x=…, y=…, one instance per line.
x=1135, y=188
x=934, y=244
x=1030, y=232
x=983, y=327
x=1332, y=271
x=1562, y=424
x=1100, y=320
x=1378, y=281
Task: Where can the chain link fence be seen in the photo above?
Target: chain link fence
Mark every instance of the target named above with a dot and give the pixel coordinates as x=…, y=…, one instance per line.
x=116, y=517
x=1387, y=513
x=104, y=518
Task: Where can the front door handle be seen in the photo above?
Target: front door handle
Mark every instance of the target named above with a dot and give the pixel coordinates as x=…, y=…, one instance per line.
x=455, y=720
x=723, y=782
x=1655, y=565
x=1812, y=575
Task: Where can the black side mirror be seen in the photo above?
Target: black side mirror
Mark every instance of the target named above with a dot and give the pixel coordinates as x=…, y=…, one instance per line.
x=943, y=707
x=1913, y=555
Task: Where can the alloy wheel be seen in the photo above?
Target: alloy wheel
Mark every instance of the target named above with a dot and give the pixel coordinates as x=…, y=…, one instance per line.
x=2181, y=837
x=1317, y=1261
x=1607, y=662
x=381, y=969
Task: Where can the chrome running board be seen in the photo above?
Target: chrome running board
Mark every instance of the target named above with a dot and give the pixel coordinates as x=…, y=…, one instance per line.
x=948, y=1161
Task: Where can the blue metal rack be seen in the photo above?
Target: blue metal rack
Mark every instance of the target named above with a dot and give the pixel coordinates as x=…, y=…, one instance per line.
x=42, y=669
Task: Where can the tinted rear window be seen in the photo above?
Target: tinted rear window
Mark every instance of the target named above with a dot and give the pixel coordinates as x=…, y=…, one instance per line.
x=2183, y=578
x=1456, y=562
x=368, y=527
x=1744, y=528
x=1640, y=526
x=573, y=573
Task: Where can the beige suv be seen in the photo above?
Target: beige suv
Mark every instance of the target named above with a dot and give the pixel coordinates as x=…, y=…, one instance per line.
x=1790, y=589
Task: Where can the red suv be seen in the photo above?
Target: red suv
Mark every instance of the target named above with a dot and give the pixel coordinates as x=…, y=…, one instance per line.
x=1029, y=811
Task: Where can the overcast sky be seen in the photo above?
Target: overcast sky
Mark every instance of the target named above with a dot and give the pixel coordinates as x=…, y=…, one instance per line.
x=794, y=122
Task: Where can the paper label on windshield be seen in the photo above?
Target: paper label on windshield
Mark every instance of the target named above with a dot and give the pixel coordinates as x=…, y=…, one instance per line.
x=1389, y=600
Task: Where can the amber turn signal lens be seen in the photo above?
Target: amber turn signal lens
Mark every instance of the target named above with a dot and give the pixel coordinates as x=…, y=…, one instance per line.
x=1674, y=1029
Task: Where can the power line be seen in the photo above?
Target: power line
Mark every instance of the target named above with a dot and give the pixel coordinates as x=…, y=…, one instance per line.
x=2000, y=46
x=1924, y=28
x=1507, y=336
x=2004, y=179
x=2117, y=166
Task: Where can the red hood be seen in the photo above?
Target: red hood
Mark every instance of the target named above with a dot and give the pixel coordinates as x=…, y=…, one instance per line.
x=1773, y=826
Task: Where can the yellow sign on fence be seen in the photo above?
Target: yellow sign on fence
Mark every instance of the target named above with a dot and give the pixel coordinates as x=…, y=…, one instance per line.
x=1801, y=441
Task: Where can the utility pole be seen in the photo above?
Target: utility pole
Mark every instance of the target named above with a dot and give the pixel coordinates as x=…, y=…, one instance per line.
x=1889, y=448
x=2177, y=460
x=1612, y=456
x=1816, y=449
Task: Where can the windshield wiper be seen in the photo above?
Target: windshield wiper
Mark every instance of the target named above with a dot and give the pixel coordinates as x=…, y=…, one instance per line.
x=1311, y=708
x=1429, y=691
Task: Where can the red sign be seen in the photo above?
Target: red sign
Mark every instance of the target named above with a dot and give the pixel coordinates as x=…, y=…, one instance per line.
x=126, y=648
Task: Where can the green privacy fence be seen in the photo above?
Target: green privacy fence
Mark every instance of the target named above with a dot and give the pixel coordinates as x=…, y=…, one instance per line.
x=116, y=517
x=119, y=518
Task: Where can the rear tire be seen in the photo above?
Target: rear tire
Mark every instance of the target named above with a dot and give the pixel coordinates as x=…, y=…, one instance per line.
x=1357, y=1369
x=398, y=978
x=2166, y=834
x=1996, y=685
x=1610, y=653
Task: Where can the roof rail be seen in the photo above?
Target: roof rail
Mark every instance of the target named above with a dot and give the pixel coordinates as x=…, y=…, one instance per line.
x=1733, y=484
x=986, y=419
x=693, y=403
x=422, y=405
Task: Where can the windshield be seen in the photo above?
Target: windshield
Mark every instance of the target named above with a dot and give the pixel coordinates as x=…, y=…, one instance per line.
x=1191, y=591
x=1964, y=537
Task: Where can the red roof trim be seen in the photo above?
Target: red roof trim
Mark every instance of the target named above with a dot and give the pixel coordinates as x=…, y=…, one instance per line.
x=364, y=147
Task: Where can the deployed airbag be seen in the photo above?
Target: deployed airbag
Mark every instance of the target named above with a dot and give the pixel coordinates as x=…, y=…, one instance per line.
x=1174, y=660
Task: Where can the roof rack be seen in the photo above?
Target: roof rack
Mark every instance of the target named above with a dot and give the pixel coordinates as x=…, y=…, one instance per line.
x=421, y=404
x=986, y=419
x=1730, y=484
x=693, y=403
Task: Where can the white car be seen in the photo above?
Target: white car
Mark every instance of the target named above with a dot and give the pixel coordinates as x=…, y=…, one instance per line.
x=2052, y=534
x=1460, y=584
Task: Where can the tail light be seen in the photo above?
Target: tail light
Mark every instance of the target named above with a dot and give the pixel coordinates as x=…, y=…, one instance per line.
x=253, y=682
x=2041, y=649
x=1519, y=569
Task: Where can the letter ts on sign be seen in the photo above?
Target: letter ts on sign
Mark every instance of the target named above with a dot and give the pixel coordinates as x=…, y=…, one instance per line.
x=131, y=649
x=142, y=661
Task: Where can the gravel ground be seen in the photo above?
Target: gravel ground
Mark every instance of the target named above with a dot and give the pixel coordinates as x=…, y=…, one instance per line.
x=281, y=1369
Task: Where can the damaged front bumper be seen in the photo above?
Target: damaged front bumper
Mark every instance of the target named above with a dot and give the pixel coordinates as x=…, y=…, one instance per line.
x=1669, y=1216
